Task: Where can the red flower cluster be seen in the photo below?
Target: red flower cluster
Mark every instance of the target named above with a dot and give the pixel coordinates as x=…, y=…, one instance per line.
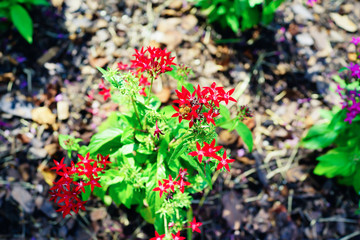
x=192, y=105
x=171, y=183
x=193, y=225
x=143, y=81
x=153, y=60
x=209, y=150
x=104, y=91
x=65, y=191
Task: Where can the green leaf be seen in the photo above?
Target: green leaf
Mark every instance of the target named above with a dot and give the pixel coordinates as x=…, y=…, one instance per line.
x=252, y=3
x=337, y=122
x=224, y=112
x=251, y=17
x=154, y=103
x=85, y=196
x=22, y=21
x=356, y=180
x=336, y=162
x=221, y=10
x=127, y=136
x=128, y=148
x=111, y=122
x=233, y=22
x=245, y=134
x=40, y=2
x=343, y=69
x=152, y=197
x=173, y=162
x=5, y=4
x=106, y=142
x=100, y=192
x=145, y=212
x=319, y=136
x=168, y=111
x=122, y=193
x=199, y=168
x=269, y=10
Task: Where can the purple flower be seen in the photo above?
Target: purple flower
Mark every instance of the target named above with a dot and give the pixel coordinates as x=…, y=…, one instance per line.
x=59, y=97
x=311, y=2
x=355, y=70
x=355, y=40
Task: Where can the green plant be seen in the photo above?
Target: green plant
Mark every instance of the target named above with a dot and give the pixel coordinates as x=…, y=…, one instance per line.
x=239, y=14
x=15, y=11
x=340, y=131
x=159, y=156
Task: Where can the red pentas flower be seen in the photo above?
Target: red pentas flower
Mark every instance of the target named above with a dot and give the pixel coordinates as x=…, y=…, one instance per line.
x=157, y=236
x=182, y=184
x=200, y=152
x=201, y=104
x=171, y=183
x=58, y=165
x=224, y=162
x=122, y=66
x=177, y=236
x=153, y=60
x=162, y=188
x=211, y=115
x=65, y=191
x=195, y=225
x=210, y=149
x=157, y=131
x=104, y=91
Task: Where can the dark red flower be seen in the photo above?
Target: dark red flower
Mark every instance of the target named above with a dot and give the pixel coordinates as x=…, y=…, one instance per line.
x=157, y=236
x=211, y=115
x=195, y=225
x=162, y=188
x=200, y=152
x=122, y=66
x=157, y=131
x=169, y=183
x=94, y=182
x=153, y=60
x=224, y=162
x=182, y=183
x=106, y=93
x=58, y=165
x=210, y=149
x=103, y=160
x=227, y=96
x=177, y=236
x=85, y=159
x=183, y=172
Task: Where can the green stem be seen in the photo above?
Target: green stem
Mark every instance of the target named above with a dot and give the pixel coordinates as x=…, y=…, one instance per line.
x=136, y=112
x=166, y=225
x=207, y=190
x=151, y=84
x=180, y=139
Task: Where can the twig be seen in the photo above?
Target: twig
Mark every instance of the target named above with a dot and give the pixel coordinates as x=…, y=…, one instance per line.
x=253, y=199
x=290, y=200
x=347, y=237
